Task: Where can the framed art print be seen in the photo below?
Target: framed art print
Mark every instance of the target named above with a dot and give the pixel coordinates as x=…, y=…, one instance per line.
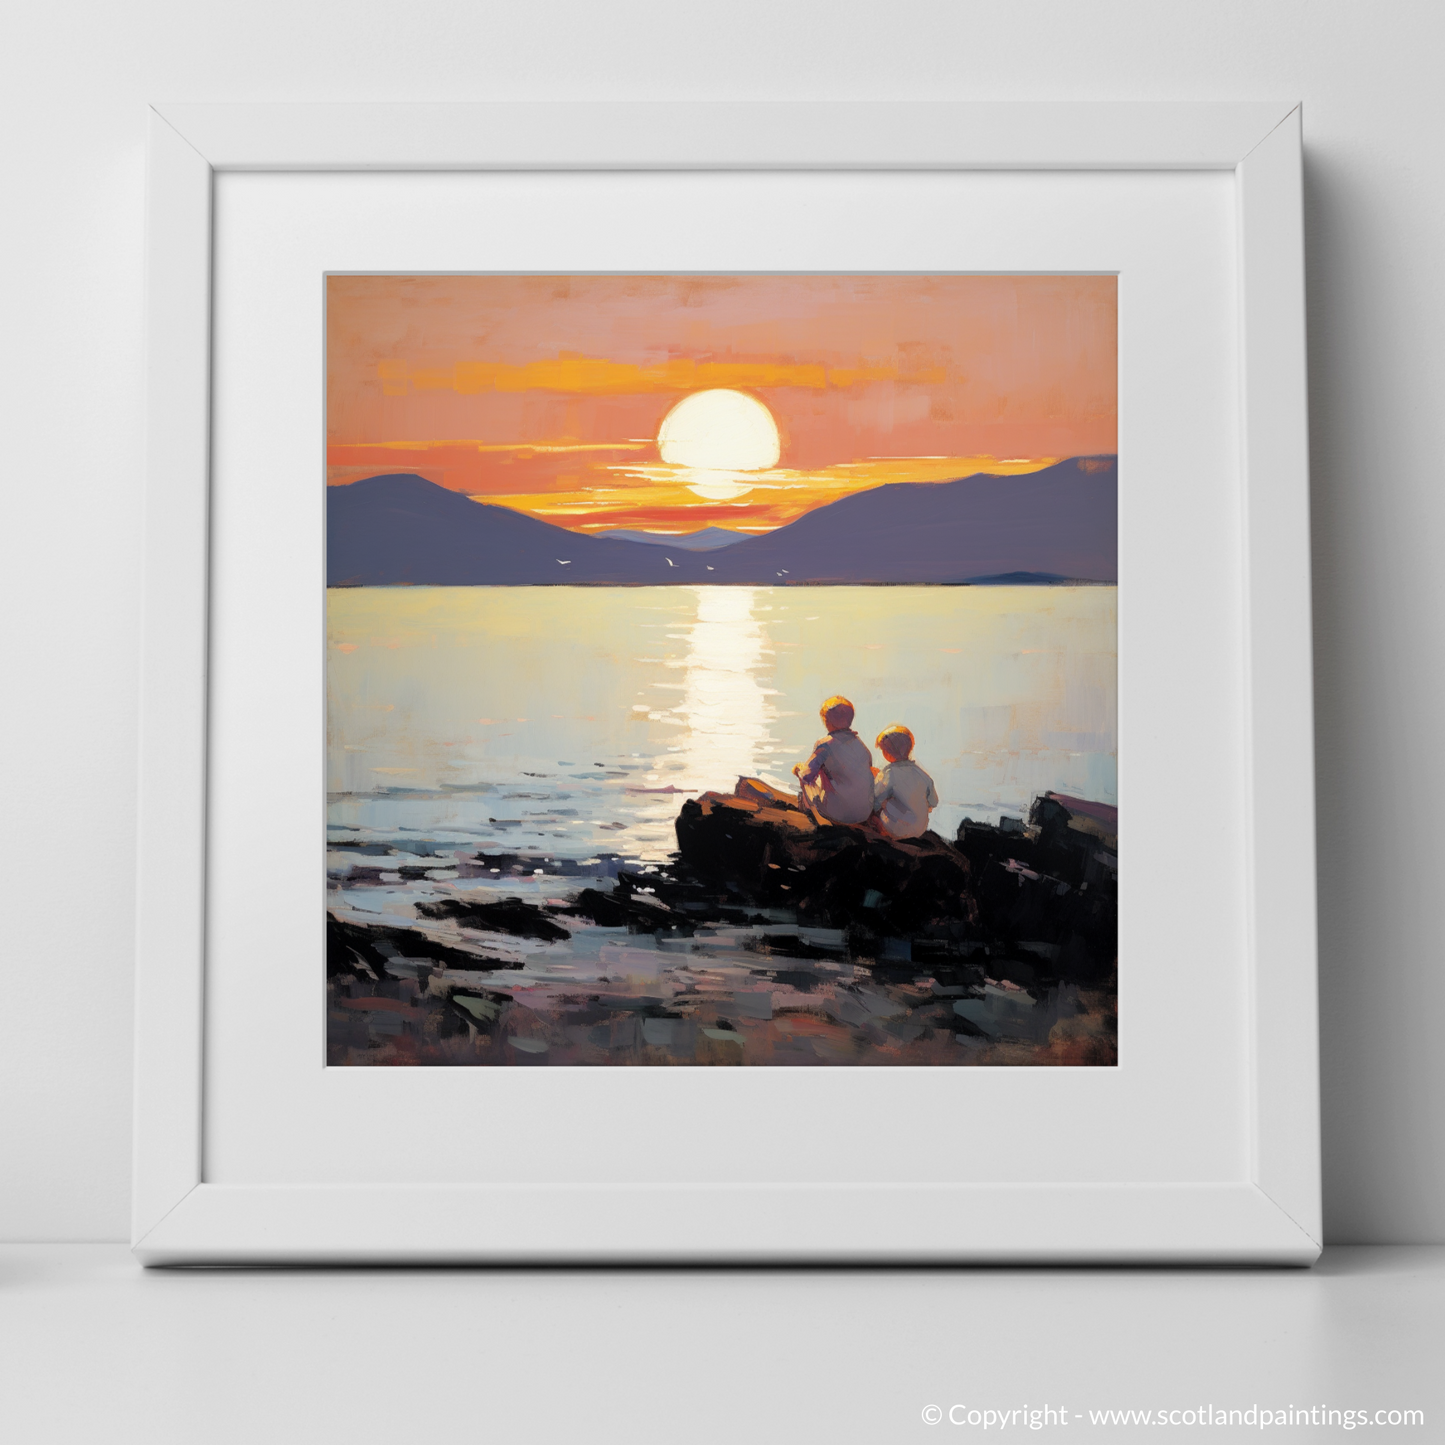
x=726, y=683
x=721, y=670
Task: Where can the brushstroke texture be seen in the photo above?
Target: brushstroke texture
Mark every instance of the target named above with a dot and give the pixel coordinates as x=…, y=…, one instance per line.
x=1060, y=523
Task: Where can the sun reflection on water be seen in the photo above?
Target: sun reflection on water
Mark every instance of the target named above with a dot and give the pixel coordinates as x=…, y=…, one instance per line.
x=636, y=697
x=725, y=708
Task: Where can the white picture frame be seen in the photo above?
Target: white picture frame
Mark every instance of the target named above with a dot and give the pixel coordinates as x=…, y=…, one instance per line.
x=1269, y=1214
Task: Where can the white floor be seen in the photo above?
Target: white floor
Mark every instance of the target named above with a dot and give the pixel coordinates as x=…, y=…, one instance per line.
x=93, y=1349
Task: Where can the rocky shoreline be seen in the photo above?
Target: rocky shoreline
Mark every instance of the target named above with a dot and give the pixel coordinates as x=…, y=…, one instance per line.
x=1002, y=939
x=1047, y=888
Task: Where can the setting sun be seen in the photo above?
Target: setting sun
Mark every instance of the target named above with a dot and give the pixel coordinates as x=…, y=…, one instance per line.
x=717, y=438
x=773, y=395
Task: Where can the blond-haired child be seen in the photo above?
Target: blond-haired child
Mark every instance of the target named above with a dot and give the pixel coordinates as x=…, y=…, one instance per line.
x=903, y=794
x=837, y=781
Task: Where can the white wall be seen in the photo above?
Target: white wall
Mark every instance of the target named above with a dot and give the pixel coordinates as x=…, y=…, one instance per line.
x=78, y=77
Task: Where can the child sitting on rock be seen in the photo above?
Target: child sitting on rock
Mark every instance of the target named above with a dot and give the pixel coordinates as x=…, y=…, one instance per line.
x=837, y=781
x=903, y=794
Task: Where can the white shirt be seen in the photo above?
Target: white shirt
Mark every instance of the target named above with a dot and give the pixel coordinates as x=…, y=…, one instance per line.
x=844, y=763
x=903, y=794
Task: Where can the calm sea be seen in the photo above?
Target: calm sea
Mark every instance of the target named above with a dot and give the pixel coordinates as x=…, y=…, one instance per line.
x=574, y=720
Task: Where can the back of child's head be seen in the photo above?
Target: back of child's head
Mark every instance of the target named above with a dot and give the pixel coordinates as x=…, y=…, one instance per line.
x=895, y=742
x=837, y=714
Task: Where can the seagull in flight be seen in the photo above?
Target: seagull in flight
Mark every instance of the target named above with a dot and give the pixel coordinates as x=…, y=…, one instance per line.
x=562, y=563
x=669, y=561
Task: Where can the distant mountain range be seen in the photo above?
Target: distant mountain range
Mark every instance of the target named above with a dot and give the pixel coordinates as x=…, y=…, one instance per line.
x=1055, y=525
x=709, y=539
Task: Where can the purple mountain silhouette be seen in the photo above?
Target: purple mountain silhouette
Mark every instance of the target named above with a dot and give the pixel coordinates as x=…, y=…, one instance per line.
x=404, y=529
x=1059, y=524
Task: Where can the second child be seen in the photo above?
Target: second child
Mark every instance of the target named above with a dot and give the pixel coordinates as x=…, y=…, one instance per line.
x=903, y=794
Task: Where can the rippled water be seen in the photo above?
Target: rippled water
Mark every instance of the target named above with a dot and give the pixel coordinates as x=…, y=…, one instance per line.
x=573, y=718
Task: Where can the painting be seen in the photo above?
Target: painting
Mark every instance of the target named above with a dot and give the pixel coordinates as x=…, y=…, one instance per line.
x=721, y=670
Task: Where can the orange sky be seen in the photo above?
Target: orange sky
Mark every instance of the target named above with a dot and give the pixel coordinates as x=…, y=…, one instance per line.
x=545, y=393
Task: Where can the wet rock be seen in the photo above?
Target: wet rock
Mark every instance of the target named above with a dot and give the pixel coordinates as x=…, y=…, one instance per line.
x=830, y=875
x=355, y=948
x=692, y=898
x=352, y=949
x=622, y=908
x=1028, y=901
x=1050, y=892
x=547, y=865
x=509, y=915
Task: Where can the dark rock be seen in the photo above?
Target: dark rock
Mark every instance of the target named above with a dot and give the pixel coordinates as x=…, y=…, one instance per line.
x=1051, y=891
x=831, y=876
x=1078, y=841
x=622, y=908
x=1026, y=902
x=352, y=948
x=510, y=915
x=531, y=864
